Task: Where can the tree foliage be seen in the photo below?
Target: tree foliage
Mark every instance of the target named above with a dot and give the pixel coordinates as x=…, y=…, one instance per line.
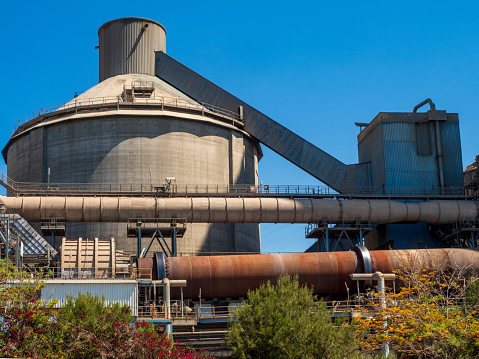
x=27, y=326
x=285, y=321
x=434, y=315
x=86, y=327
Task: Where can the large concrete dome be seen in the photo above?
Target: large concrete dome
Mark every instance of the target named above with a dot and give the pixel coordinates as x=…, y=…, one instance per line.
x=139, y=142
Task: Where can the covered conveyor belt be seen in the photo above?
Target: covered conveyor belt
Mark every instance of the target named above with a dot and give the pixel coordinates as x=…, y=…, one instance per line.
x=343, y=178
x=327, y=273
x=239, y=210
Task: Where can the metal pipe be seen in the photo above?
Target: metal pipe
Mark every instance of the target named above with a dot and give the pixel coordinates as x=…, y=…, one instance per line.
x=7, y=239
x=240, y=210
x=439, y=156
x=429, y=101
x=232, y=276
x=167, y=296
x=325, y=272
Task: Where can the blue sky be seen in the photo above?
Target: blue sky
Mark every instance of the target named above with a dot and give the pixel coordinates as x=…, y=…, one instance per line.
x=314, y=66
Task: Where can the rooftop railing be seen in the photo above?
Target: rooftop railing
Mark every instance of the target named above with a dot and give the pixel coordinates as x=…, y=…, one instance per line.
x=118, y=102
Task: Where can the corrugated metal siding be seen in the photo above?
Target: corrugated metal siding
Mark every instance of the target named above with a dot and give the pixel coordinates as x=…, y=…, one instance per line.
x=403, y=167
x=371, y=150
x=423, y=139
x=114, y=291
x=452, y=155
x=401, y=156
x=399, y=117
x=411, y=236
x=405, y=179
x=398, y=131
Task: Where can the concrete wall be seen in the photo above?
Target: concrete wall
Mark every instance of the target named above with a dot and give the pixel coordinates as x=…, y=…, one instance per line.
x=143, y=149
x=128, y=45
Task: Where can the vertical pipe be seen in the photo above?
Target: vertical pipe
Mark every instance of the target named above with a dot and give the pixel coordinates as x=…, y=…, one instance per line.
x=382, y=302
x=181, y=301
x=439, y=156
x=17, y=253
x=7, y=238
x=174, y=243
x=139, y=242
x=361, y=239
x=154, y=294
x=357, y=286
x=169, y=327
x=327, y=239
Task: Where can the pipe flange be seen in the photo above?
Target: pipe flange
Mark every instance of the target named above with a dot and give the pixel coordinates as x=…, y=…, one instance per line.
x=365, y=264
x=161, y=265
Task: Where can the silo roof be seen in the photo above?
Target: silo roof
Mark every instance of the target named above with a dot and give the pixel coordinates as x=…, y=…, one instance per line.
x=114, y=86
x=132, y=18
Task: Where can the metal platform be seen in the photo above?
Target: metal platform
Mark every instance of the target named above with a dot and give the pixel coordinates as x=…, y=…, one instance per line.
x=149, y=226
x=340, y=237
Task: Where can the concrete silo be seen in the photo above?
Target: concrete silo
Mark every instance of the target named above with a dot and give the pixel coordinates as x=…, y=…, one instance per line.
x=154, y=131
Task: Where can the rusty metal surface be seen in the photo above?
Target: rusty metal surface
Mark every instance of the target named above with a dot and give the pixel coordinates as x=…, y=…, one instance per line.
x=388, y=260
x=233, y=276
x=146, y=268
x=326, y=272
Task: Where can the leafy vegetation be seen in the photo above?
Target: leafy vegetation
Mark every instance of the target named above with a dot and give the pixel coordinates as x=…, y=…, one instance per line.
x=285, y=321
x=434, y=315
x=85, y=328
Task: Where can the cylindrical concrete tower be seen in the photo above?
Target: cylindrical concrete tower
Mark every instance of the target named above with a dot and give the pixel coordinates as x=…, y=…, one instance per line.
x=133, y=128
x=128, y=45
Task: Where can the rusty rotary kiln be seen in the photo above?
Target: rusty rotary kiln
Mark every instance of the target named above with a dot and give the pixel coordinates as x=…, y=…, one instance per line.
x=327, y=273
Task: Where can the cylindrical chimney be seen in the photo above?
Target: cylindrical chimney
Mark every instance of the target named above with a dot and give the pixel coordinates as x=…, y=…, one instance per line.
x=128, y=45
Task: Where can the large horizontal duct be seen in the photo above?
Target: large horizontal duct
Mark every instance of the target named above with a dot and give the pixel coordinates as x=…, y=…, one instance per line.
x=239, y=210
x=327, y=273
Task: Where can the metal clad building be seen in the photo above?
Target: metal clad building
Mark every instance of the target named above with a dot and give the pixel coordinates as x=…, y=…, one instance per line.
x=120, y=291
x=402, y=149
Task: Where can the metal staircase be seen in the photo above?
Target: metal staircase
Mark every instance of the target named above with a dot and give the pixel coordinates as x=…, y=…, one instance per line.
x=8, y=183
x=19, y=228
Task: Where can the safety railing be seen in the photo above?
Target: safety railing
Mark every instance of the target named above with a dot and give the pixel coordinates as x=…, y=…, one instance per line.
x=142, y=274
x=118, y=102
x=75, y=272
x=153, y=311
x=159, y=310
x=365, y=303
x=35, y=188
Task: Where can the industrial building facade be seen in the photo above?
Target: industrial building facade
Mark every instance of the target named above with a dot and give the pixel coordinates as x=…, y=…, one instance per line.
x=156, y=162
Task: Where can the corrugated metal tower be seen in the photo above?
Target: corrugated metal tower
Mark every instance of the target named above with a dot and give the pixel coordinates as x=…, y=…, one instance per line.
x=410, y=153
x=154, y=132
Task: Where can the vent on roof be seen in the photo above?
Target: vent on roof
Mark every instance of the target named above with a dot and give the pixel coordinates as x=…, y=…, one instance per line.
x=138, y=90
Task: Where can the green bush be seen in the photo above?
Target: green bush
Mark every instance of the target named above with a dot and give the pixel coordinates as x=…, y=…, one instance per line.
x=285, y=321
x=88, y=310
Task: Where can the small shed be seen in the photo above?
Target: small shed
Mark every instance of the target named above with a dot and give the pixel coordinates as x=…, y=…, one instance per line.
x=122, y=291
